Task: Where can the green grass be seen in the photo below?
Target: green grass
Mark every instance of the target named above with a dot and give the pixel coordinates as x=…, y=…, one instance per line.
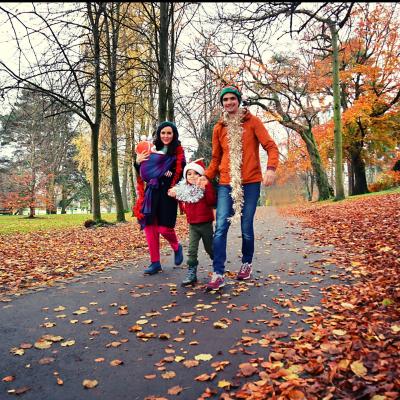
x=20, y=223
x=358, y=196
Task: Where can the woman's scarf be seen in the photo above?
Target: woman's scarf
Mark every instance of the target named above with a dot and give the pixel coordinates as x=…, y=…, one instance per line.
x=150, y=172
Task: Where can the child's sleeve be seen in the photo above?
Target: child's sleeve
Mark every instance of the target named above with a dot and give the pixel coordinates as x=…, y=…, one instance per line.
x=209, y=195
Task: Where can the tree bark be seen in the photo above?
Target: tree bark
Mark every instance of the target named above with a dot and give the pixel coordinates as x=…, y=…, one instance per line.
x=337, y=115
x=358, y=166
x=112, y=45
x=163, y=63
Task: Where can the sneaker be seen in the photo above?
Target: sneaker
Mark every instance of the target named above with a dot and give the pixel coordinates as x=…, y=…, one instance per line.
x=244, y=272
x=153, y=268
x=217, y=281
x=191, y=276
x=179, y=255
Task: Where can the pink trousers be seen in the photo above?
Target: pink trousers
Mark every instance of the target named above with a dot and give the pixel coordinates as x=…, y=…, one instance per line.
x=153, y=239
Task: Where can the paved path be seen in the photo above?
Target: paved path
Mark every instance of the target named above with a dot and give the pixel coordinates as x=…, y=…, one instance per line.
x=288, y=275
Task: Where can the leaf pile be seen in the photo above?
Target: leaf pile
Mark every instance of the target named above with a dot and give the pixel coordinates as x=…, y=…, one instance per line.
x=32, y=259
x=352, y=348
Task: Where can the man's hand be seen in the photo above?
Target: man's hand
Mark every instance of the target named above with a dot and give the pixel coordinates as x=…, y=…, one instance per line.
x=269, y=177
x=202, y=182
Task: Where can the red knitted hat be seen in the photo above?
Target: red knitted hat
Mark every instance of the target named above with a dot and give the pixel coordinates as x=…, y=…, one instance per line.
x=196, y=165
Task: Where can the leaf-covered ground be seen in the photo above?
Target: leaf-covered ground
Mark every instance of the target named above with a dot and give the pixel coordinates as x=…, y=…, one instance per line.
x=32, y=259
x=352, y=350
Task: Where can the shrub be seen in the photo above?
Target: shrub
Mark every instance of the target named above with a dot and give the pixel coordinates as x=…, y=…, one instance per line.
x=386, y=180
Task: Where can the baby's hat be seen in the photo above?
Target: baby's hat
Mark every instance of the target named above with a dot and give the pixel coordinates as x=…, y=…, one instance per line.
x=196, y=165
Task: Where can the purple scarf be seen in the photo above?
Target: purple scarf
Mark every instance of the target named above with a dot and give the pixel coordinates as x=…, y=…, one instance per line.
x=151, y=171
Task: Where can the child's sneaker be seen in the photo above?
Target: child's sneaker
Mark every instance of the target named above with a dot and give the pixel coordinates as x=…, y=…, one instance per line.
x=217, y=281
x=191, y=276
x=244, y=272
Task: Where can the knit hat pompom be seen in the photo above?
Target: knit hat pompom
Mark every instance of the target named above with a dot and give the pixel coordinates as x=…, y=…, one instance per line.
x=144, y=145
x=230, y=89
x=196, y=165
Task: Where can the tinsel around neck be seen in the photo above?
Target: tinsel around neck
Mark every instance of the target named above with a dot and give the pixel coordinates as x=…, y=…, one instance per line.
x=235, y=132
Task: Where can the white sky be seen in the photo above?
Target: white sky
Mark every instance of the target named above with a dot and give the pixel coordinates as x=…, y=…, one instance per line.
x=9, y=53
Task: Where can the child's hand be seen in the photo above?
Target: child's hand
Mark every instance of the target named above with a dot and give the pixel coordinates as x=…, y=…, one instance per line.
x=201, y=182
x=172, y=192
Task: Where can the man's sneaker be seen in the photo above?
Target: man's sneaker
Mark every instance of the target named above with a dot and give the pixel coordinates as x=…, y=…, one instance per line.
x=153, y=268
x=244, y=273
x=179, y=255
x=216, y=282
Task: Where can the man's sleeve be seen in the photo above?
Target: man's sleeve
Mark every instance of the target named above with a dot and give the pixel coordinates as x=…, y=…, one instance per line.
x=216, y=156
x=268, y=144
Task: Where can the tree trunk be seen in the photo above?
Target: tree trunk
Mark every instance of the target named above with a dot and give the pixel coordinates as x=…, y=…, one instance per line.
x=163, y=63
x=171, y=113
x=318, y=169
x=95, y=127
x=350, y=174
x=111, y=46
x=337, y=115
x=358, y=166
x=127, y=159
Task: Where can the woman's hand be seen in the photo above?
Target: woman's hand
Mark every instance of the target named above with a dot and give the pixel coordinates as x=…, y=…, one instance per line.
x=168, y=174
x=142, y=157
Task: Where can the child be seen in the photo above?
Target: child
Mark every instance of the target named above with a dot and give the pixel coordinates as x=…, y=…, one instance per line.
x=198, y=206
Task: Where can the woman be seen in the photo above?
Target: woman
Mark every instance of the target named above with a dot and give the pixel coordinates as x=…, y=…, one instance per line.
x=157, y=172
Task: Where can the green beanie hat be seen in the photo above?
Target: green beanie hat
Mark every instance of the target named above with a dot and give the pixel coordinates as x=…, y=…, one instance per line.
x=230, y=89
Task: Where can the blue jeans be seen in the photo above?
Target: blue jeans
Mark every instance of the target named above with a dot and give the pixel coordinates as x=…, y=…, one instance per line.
x=251, y=193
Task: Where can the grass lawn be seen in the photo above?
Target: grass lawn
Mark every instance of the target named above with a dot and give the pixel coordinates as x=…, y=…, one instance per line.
x=20, y=223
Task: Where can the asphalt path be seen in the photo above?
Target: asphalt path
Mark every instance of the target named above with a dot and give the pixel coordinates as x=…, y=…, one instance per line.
x=146, y=337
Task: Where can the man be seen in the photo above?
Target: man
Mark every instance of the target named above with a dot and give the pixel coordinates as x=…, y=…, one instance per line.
x=235, y=157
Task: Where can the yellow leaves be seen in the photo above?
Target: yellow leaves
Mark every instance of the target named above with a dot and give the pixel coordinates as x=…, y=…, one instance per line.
x=378, y=397
x=339, y=332
x=347, y=306
x=68, y=343
x=59, y=308
x=220, y=325
x=358, y=368
x=168, y=375
x=89, y=384
x=142, y=321
x=82, y=310
x=49, y=324
x=203, y=357
x=224, y=384
x=43, y=344
x=395, y=328
x=17, y=352
x=164, y=336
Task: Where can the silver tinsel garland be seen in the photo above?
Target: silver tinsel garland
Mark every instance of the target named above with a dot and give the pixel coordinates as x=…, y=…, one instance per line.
x=187, y=192
x=235, y=133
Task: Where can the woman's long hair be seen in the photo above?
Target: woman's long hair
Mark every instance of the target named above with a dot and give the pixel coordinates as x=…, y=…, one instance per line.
x=175, y=141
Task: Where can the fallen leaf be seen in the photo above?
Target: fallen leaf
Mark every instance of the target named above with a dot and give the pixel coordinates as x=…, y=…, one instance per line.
x=89, y=384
